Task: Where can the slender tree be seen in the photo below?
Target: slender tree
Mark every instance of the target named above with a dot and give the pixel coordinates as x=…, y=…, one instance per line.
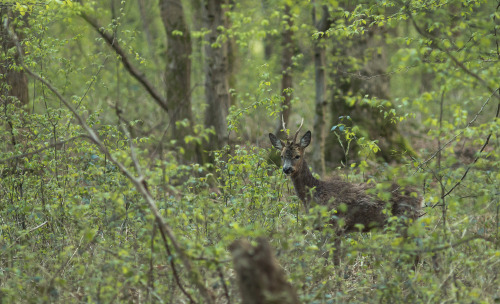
x=178, y=69
x=318, y=159
x=216, y=73
x=286, y=70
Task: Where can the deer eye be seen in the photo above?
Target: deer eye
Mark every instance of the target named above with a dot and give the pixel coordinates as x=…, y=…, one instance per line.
x=297, y=157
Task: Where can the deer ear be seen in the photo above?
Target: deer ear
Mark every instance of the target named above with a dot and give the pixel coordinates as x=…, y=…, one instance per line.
x=305, y=140
x=276, y=142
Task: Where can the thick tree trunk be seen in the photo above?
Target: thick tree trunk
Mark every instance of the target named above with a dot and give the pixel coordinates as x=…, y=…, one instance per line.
x=178, y=70
x=370, y=51
x=318, y=143
x=216, y=74
x=286, y=70
x=261, y=279
x=13, y=81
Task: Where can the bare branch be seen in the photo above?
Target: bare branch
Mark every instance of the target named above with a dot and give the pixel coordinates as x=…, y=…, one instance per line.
x=5, y=250
x=174, y=269
x=453, y=58
x=138, y=75
x=44, y=148
x=223, y=282
x=139, y=183
x=461, y=132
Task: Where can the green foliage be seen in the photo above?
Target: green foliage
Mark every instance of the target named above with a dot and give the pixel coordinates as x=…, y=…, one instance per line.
x=73, y=228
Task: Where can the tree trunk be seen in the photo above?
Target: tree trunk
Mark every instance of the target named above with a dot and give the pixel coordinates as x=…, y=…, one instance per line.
x=216, y=74
x=178, y=71
x=370, y=51
x=261, y=279
x=13, y=81
x=286, y=70
x=318, y=143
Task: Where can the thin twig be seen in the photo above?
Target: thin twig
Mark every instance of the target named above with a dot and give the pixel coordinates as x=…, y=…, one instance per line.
x=469, y=167
x=459, y=133
x=48, y=146
x=432, y=249
x=139, y=183
x=19, y=237
x=170, y=258
x=453, y=58
x=224, y=285
x=138, y=75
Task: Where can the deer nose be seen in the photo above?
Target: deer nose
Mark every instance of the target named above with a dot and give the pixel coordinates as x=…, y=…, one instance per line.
x=287, y=170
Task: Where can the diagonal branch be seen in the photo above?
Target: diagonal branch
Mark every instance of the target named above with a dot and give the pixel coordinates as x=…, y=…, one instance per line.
x=139, y=182
x=484, y=83
x=138, y=75
x=453, y=58
x=27, y=154
x=461, y=132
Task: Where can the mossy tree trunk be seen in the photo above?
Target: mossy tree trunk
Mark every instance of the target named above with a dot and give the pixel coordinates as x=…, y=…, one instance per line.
x=368, y=79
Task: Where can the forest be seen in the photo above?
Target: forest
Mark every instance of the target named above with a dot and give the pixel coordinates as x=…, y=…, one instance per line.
x=137, y=165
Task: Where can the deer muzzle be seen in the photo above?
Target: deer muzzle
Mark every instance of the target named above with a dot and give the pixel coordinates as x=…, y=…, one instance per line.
x=287, y=168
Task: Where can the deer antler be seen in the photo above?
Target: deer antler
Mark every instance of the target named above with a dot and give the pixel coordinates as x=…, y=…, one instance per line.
x=284, y=127
x=297, y=133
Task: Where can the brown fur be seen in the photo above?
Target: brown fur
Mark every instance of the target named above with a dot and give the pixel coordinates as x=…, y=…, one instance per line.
x=362, y=207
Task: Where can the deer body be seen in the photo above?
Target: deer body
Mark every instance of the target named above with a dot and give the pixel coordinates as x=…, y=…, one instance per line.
x=362, y=207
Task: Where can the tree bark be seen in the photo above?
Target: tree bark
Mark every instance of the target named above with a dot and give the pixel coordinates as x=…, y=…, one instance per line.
x=286, y=70
x=178, y=70
x=318, y=143
x=373, y=81
x=216, y=73
x=13, y=81
x=261, y=279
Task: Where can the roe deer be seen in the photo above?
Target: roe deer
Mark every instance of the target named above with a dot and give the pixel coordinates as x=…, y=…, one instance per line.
x=362, y=208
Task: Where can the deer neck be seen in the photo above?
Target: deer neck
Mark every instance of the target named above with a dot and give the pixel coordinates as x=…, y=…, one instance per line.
x=303, y=182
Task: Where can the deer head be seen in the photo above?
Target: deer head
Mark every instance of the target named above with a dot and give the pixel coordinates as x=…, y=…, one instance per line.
x=292, y=153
